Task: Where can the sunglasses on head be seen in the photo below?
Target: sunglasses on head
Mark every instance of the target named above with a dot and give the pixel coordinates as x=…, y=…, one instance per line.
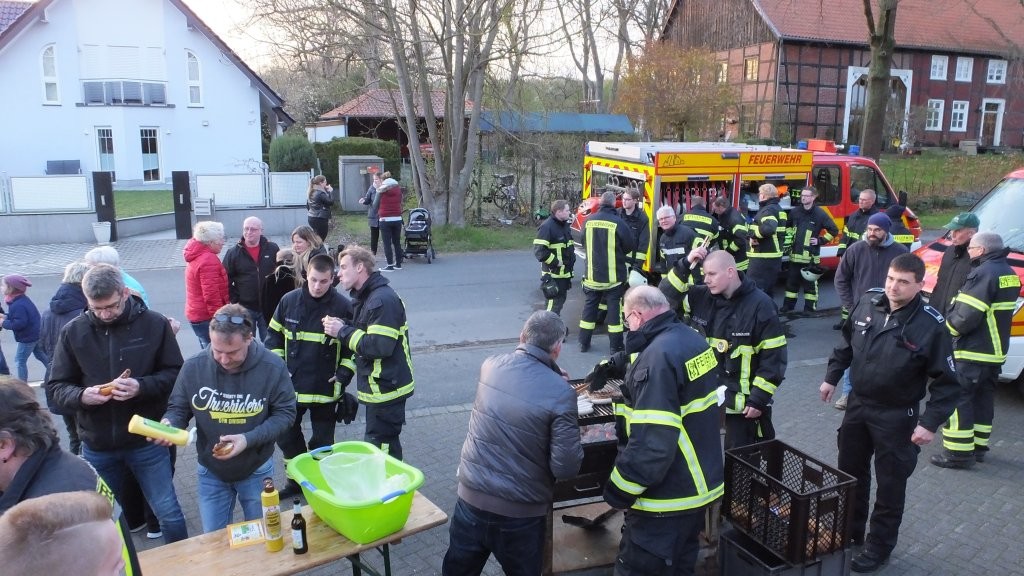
x=239, y=320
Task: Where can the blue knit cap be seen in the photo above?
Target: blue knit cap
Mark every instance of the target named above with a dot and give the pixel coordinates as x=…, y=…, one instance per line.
x=880, y=220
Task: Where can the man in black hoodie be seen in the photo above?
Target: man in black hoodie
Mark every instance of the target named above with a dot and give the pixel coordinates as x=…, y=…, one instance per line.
x=956, y=263
x=242, y=399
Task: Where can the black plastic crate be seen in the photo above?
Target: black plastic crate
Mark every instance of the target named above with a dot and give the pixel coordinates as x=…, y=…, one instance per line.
x=739, y=555
x=793, y=505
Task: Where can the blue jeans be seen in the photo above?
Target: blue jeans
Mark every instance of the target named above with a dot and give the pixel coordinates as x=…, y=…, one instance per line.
x=202, y=330
x=26, y=349
x=217, y=497
x=847, y=386
x=151, y=465
x=517, y=543
x=260, y=322
x=3, y=363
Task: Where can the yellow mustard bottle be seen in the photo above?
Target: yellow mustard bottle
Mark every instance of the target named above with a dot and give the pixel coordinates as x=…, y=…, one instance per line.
x=154, y=429
x=272, y=516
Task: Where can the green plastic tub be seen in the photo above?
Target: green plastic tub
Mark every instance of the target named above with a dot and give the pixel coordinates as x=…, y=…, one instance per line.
x=361, y=522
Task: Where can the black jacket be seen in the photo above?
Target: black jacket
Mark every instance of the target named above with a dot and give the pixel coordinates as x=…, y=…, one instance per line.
x=953, y=270
x=296, y=334
x=748, y=340
x=670, y=458
x=319, y=206
x=604, y=234
x=864, y=267
x=854, y=227
x=514, y=475
x=703, y=224
x=90, y=352
x=733, y=236
x=675, y=244
x=245, y=277
x=982, y=311
x=379, y=338
x=67, y=304
x=640, y=226
x=766, y=228
x=275, y=285
x=553, y=248
x=807, y=224
x=892, y=355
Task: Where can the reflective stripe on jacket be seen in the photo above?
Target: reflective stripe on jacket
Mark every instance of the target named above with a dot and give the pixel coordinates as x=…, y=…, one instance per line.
x=607, y=240
x=553, y=248
x=982, y=311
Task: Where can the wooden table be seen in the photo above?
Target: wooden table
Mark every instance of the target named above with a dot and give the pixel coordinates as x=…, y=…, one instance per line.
x=210, y=553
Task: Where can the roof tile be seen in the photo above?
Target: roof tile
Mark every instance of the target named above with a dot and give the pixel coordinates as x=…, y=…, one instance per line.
x=9, y=12
x=381, y=103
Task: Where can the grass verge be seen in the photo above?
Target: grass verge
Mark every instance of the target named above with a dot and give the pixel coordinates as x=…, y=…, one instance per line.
x=354, y=229
x=936, y=219
x=934, y=179
x=132, y=203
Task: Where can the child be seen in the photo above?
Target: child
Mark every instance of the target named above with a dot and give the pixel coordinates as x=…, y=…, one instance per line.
x=23, y=319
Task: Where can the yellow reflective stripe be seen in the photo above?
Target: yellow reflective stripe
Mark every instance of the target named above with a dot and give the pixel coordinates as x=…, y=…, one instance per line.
x=382, y=330
x=770, y=343
x=696, y=218
x=757, y=227
x=657, y=417
x=278, y=351
x=971, y=301
x=692, y=462
x=378, y=397
x=765, y=385
x=353, y=340
x=983, y=428
x=600, y=285
x=275, y=325
x=615, y=328
x=674, y=504
x=952, y=330
x=348, y=363
x=982, y=357
x=625, y=485
x=701, y=364
x=587, y=325
x=541, y=242
x=316, y=338
x=678, y=283
x=700, y=404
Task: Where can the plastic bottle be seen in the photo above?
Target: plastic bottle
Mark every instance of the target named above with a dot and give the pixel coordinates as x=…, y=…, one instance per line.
x=154, y=429
x=300, y=545
x=272, y=516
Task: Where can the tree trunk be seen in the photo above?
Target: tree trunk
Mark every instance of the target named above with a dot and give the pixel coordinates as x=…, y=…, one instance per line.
x=883, y=42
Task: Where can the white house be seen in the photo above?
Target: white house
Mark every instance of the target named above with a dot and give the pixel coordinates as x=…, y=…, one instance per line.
x=139, y=88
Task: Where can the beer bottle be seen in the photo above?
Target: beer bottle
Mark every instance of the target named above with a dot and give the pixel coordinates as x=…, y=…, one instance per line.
x=299, y=543
x=271, y=516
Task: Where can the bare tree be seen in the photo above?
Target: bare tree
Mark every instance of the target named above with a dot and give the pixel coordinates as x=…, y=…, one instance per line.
x=882, y=40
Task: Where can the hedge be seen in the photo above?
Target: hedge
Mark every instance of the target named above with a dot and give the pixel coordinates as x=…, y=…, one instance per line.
x=328, y=153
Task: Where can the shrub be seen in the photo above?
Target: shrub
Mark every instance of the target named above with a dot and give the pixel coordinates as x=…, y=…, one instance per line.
x=291, y=153
x=328, y=153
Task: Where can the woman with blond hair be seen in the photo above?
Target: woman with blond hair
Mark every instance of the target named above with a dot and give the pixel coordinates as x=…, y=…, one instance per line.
x=306, y=244
x=318, y=205
x=206, y=281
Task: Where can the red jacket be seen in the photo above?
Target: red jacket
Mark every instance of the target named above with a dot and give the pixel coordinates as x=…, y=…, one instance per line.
x=390, y=203
x=206, y=282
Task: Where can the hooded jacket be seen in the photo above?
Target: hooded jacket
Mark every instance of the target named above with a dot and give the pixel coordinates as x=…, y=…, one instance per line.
x=206, y=282
x=953, y=270
x=554, y=249
x=807, y=224
x=91, y=352
x=257, y=401
x=733, y=236
x=245, y=276
x=67, y=304
x=864, y=267
x=22, y=319
x=979, y=318
x=854, y=227
x=766, y=229
x=641, y=230
x=522, y=391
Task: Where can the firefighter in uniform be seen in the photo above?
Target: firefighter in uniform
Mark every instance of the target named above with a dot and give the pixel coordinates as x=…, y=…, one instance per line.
x=741, y=324
x=980, y=324
x=701, y=221
x=553, y=248
x=766, y=253
x=956, y=263
x=853, y=230
x=900, y=233
x=632, y=213
x=893, y=344
x=669, y=464
x=675, y=242
x=733, y=234
x=378, y=336
x=320, y=365
x=607, y=241
x=811, y=227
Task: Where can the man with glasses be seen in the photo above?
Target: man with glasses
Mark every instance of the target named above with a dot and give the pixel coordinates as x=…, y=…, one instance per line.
x=242, y=400
x=320, y=364
x=676, y=241
x=853, y=229
x=116, y=360
x=956, y=262
x=247, y=263
x=812, y=227
x=632, y=213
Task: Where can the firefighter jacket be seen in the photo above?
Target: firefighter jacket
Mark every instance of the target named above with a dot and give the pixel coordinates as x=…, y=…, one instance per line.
x=640, y=227
x=296, y=334
x=669, y=459
x=703, y=224
x=854, y=227
x=379, y=337
x=953, y=270
x=675, y=243
x=733, y=236
x=748, y=339
x=765, y=229
x=892, y=354
x=864, y=267
x=553, y=248
x=982, y=312
x=607, y=241
x=899, y=230
x=807, y=224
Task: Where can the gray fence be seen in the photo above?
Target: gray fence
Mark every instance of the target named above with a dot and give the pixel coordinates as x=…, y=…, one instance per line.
x=46, y=194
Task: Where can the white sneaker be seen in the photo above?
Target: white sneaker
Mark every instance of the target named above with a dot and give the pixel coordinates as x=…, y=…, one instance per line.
x=841, y=403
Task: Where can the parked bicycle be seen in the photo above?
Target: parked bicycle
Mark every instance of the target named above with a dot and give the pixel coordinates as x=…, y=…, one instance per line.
x=503, y=193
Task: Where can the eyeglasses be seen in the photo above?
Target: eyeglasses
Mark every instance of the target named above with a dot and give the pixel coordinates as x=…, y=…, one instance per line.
x=109, y=308
x=974, y=247
x=630, y=315
x=237, y=320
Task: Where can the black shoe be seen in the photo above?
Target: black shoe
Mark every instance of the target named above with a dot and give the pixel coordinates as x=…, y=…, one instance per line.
x=291, y=490
x=785, y=310
x=948, y=460
x=868, y=561
x=838, y=325
x=584, y=347
x=979, y=455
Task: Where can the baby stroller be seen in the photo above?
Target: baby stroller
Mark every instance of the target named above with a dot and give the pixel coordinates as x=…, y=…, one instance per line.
x=418, y=241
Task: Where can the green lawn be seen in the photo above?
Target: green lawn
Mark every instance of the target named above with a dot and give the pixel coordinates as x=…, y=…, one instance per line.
x=131, y=203
x=933, y=179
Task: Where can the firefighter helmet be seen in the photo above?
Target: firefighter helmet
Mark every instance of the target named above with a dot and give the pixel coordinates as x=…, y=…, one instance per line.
x=812, y=273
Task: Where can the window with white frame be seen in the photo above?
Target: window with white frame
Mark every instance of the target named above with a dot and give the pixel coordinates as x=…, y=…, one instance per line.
x=195, y=85
x=958, y=116
x=723, y=72
x=996, y=72
x=933, y=121
x=964, y=69
x=939, y=66
x=51, y=84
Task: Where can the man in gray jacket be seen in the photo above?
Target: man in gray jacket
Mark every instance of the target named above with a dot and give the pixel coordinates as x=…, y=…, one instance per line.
x=242, y=399
x=505, y=487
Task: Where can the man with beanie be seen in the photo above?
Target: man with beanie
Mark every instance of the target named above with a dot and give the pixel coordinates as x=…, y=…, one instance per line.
x=956, y=263
x=863, y=267
x=853, y=229
x=899, y=231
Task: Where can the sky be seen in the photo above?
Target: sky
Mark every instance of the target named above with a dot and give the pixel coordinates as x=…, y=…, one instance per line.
x=225, y=18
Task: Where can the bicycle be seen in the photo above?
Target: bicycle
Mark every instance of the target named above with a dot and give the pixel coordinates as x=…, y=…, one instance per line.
x=503, y=193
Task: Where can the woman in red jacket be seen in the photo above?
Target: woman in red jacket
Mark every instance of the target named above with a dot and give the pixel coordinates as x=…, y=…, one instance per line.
x=206, y=281
x=388, y=203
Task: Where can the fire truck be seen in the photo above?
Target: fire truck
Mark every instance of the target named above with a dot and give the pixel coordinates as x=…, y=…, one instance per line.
x=673, y=173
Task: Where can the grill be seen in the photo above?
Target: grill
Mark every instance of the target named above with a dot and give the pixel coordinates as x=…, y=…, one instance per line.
x=598, y=456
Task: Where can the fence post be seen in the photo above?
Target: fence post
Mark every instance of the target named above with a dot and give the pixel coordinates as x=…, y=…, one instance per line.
x=182, y=193
x=103, y=195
